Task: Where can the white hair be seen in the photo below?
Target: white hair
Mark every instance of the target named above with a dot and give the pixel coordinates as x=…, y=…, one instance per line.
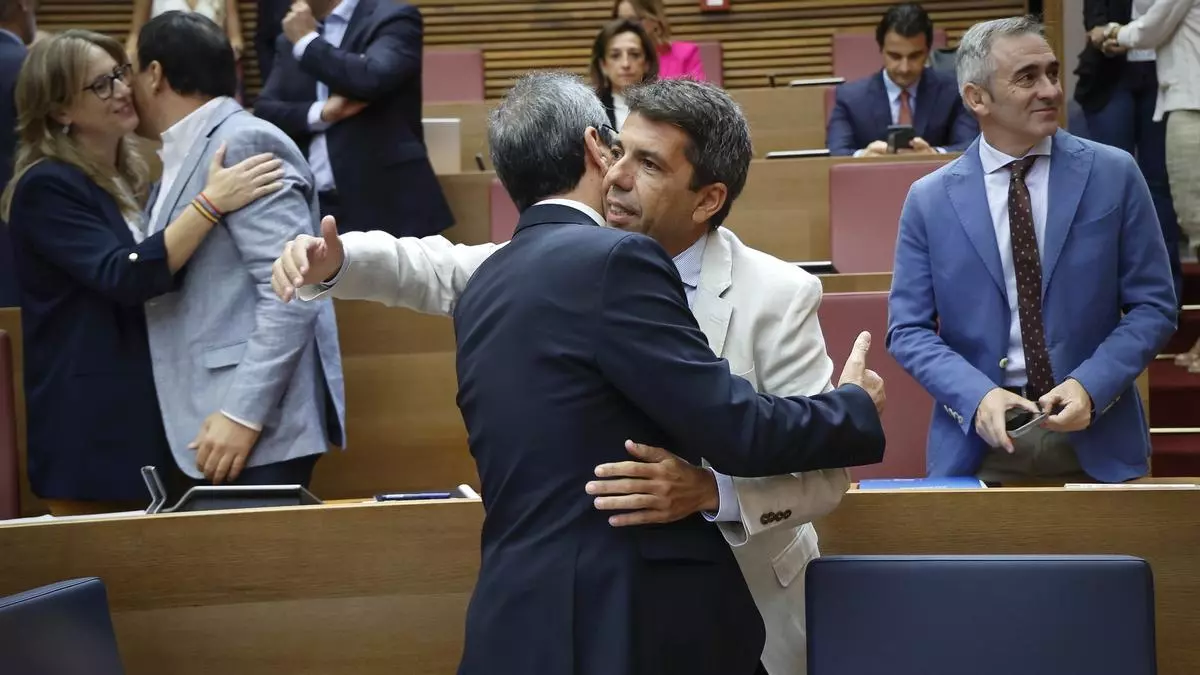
x=974, y=62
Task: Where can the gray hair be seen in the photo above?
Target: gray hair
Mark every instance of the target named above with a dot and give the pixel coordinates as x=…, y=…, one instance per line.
x=536, y=135
x=974, y=62
x=719, y=146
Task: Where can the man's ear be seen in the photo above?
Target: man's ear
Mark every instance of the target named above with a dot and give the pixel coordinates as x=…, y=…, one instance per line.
x=975, y=98
x=712, y=198
x=596, y=151
x=157, y=81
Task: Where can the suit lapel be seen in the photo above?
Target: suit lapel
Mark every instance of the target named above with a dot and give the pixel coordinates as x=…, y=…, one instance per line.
x=713, y=312
x=1070, y=164
x=927, y=93
x=881, y=111
x=192, y=162
x=358, y=23
x=968, y=195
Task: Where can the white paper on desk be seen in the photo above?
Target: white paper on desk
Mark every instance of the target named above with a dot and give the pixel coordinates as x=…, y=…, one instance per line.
x=1132, y=486
x=66, y=519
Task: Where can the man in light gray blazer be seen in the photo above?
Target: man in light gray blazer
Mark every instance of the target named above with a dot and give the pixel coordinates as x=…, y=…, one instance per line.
x=250, y=389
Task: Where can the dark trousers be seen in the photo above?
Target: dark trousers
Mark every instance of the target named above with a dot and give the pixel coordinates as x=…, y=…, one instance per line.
x=1127, y=122
x=331, y=206
x=297, y=471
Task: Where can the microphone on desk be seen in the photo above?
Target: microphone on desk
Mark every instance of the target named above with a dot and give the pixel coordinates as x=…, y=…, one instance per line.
x=771, y=80
x=479, y=161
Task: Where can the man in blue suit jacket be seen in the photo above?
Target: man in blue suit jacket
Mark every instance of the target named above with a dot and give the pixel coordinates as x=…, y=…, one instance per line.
x=904, y=92
x=18, y=25
x=572, y=339
x=988, y=320
x=348, y=91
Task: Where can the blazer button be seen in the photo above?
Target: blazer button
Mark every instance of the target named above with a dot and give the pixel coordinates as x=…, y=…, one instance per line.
x=787, y=514
x=766, y=519
x=133, y=257
x=1004, y=362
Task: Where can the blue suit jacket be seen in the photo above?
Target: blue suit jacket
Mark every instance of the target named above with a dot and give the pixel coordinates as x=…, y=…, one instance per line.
x=383, y=175
x=93, y=415
x=12, y=55
x=571, y=339
x=1107, y=301
x=862, y=113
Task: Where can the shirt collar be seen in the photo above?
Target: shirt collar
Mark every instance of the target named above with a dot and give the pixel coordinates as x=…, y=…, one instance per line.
x=689, y=262
x=993, y=160
x=893, y=89
x=177, y=139
x=578, y=206
x=344, y=10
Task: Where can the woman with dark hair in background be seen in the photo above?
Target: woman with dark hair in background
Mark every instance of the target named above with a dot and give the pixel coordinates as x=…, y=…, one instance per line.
x=622, y=56
x=675, y=57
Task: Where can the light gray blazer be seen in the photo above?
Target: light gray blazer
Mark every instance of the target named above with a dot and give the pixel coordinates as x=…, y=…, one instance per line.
x=223, y=341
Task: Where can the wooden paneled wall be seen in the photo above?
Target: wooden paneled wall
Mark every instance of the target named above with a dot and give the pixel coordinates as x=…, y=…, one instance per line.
x=785, y=38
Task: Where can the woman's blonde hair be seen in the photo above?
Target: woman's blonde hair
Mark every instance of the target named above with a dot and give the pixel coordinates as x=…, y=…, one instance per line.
x=653, y=9
x=52, y=79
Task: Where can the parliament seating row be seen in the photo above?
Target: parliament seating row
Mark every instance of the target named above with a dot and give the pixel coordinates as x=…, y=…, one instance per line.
x=360, y=587
x=450, y=75
x=821, y=208
x=63, y=628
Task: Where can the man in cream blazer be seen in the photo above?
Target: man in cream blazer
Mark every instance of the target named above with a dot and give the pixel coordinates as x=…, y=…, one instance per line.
x=758, y=312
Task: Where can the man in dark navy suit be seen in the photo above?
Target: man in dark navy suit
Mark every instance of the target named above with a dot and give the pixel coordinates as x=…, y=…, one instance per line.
x=348, y=91
x=267, y=29
x=573, y=339
x=18, y=25
x=905, y=92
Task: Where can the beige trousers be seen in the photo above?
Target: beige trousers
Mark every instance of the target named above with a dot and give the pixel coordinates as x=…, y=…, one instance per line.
x=1183, y=170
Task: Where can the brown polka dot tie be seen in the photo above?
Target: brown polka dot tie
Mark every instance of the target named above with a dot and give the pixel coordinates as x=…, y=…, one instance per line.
x=1028, y=266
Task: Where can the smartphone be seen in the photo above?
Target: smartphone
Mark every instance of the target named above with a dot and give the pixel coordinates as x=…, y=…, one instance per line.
x=1018, y=422
x=900, y=137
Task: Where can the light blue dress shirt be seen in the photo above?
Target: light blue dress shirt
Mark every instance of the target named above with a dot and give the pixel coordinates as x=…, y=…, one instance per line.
x=318, y=151
x=996, y=179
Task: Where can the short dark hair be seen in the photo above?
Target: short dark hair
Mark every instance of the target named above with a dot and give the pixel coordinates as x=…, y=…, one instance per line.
x=536, y=135
x=907, y=19
x=600, y=48
x=719, y=147
x=194, y=52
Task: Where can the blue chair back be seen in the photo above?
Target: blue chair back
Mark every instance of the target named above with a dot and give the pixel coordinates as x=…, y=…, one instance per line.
x=60, y=629
x=984, y=615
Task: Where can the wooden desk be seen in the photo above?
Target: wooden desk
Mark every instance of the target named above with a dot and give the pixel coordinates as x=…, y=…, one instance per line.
x=783, y=118
x=366, y=589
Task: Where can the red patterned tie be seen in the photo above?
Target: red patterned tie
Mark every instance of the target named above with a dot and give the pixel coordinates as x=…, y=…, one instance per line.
x=905, y=116
x=1028, y=266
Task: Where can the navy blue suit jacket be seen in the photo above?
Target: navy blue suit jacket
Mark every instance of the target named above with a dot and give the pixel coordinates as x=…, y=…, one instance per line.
x=862, y=114
x=1108, y=303
x=571, y=339
x=12, y=55
x=382, y=171
x=92, y=410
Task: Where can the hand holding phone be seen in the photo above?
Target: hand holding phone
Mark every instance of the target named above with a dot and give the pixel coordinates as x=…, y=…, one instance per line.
x=1019, y=422
x=900, y=137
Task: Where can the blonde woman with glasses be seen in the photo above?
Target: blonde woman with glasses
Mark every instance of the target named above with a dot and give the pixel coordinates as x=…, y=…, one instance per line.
x=85, y=264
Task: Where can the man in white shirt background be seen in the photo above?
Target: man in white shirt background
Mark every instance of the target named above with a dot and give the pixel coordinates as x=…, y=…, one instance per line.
x=759, y=313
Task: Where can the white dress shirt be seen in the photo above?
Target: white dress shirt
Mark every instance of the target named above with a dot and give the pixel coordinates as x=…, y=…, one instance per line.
x=318, y=150
x=996, y=180
x=176, y=142
x=620, y=110
x=1134, y=55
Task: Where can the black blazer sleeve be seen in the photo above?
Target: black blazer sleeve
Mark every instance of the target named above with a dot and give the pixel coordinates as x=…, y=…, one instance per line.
x=58, y=216
x=650, y=348
x=273, y=106
x=391, y=59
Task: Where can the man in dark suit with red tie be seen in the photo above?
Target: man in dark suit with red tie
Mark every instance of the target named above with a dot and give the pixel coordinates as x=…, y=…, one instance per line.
x=18, y=25
x=347, y=89
x=905, y=92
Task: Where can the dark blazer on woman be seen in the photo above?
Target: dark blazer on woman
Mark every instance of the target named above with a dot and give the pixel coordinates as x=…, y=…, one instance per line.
x=1098, y=74
x=93, y=415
